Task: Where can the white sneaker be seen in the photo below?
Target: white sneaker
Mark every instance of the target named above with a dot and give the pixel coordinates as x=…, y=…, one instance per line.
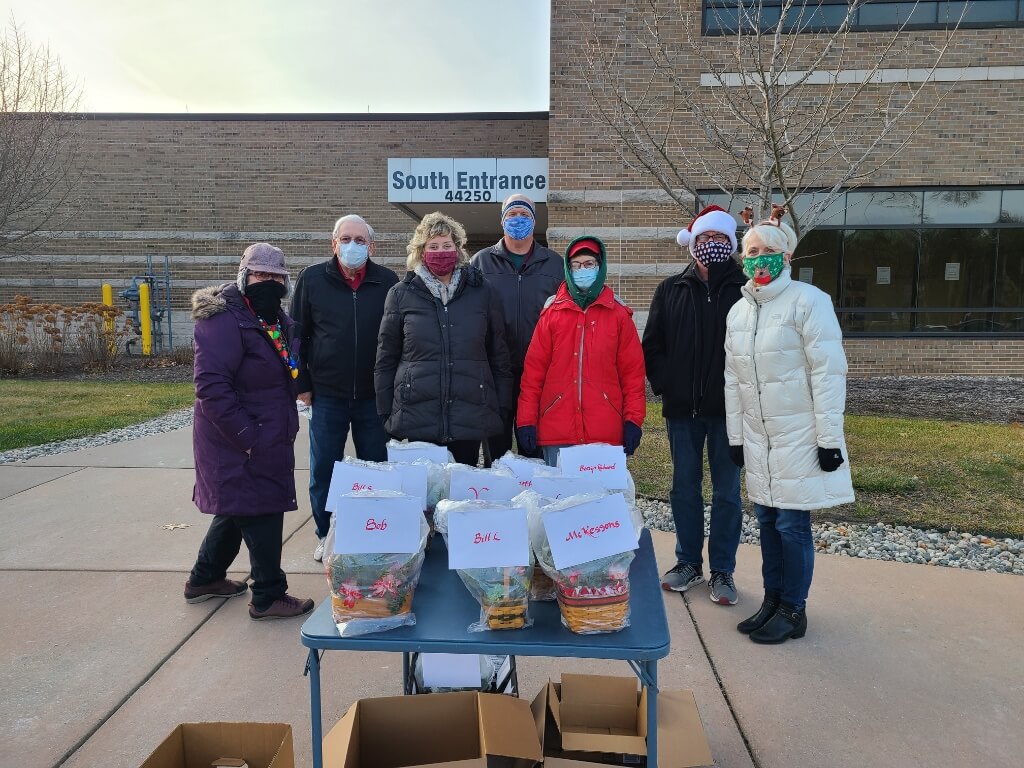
x=318, y=553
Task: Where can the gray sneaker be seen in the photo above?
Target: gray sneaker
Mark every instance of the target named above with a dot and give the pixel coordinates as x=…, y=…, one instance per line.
x=722, y=588
x=681, y=578
x=318, y=553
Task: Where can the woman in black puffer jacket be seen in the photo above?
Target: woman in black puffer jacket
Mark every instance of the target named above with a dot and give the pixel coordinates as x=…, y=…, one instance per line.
x=442, y=372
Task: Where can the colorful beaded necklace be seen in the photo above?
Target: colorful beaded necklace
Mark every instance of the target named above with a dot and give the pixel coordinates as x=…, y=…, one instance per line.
x=281, y=345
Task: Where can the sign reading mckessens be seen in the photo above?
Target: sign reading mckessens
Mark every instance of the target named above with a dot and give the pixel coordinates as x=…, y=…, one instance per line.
x=466, y=180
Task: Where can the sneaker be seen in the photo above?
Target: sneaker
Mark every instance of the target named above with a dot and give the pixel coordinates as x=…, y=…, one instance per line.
x=285, y=607
x=222, y=588
x=681, y=578
x=722, y=588
x=318, y=553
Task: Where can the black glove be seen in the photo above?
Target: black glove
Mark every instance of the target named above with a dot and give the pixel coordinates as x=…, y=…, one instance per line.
x=631, y=435
x=527, y=439
x=383, y=418
x=830, y=459
x=736, y=454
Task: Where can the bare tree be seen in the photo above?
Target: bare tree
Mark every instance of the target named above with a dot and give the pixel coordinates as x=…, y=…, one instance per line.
x=782, y=108
x=39, y=137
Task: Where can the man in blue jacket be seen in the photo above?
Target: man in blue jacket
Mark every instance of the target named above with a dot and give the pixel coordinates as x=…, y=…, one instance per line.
x=337, y=306
x=525, y=275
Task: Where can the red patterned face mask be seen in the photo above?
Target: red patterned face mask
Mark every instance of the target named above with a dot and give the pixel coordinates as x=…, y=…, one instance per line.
x=441, y=263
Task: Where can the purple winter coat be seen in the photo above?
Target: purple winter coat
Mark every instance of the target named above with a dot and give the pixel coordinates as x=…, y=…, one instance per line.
x=245, y=399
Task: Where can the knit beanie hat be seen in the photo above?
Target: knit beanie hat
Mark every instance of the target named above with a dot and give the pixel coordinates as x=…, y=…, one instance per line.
x=518, y=201
x=711, y=219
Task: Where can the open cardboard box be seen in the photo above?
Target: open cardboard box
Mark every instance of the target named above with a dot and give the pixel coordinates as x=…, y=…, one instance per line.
x=197, y=745
x=462, y=729
x=590, y=720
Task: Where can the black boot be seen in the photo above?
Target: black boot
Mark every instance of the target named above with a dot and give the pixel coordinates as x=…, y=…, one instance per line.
x=765, y=612
x=787, y=623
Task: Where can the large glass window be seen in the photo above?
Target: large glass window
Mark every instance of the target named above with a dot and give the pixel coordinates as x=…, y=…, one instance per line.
x=958, y=269
x=816, y=260
x=1009, y=288
x=881, y=207
x=878, y=277
x=962, y=206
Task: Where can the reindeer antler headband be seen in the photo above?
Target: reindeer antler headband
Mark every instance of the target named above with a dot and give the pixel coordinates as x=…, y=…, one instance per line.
x=775, y=220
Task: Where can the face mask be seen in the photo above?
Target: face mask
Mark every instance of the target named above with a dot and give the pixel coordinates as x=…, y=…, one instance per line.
x=265, y=298
x=352, y=254
x=770, y=262
x=584, y=278
x=712, y=252
x=441, y=263
x=518, y=227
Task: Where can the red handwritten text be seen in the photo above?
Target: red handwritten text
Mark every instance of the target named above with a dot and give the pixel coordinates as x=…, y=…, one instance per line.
x=374, y=525
x=357, y=486
x=597, y=467
x=483, y=538
x=592, y=531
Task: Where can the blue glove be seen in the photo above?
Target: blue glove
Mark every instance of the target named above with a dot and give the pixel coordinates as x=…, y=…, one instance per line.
x=631, y=435
x=527, y=438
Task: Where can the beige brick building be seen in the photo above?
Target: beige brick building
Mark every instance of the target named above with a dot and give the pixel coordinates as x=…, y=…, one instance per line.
x=196, y=189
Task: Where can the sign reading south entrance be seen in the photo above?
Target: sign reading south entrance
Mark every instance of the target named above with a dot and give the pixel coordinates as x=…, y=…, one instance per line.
x=466, y=180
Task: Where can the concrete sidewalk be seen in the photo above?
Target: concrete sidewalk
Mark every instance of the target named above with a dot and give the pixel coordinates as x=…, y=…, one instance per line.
x=100, y=657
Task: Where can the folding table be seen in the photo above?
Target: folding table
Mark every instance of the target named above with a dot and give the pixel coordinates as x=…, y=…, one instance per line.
x=444, y=609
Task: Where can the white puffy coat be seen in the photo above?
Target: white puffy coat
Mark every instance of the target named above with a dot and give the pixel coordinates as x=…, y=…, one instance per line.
x=785, y=393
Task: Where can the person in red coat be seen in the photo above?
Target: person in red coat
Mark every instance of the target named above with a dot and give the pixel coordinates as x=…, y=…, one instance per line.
x=583, y=379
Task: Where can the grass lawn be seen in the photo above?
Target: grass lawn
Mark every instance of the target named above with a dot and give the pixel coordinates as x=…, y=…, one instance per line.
x=929, y=474
x=41, y=411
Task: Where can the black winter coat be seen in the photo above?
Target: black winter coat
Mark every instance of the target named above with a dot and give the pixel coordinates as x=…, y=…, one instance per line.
x=338, y=328
x=684, y=340
x=442, y=371
x=522, y=293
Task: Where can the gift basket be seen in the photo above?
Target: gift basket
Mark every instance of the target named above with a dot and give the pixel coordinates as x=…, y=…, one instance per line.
x=593, y=597
x=372, y=592
x=542, y=588
x=503, y=593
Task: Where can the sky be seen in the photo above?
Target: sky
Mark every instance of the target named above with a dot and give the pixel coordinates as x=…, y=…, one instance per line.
x=300, y=56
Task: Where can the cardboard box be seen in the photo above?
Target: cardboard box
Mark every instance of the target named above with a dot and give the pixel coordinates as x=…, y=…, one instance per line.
x=591, y=720
x=198, y=745
x=462, y=729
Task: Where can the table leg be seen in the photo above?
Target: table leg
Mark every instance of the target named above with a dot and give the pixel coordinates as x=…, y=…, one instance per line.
x=313, y=666
x=652, y=714
x=406, y=678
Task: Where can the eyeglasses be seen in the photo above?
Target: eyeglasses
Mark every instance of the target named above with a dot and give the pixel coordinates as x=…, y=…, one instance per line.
x=267, y=276
x=345, y=239
x=576, y=266
x=716, y=238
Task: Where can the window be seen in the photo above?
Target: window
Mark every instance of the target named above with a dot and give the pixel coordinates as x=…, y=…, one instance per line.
x=816, y=260
x=962, y=206
x=879, y=274
x=1009, y=288
x=876, y=208
x=957, y=270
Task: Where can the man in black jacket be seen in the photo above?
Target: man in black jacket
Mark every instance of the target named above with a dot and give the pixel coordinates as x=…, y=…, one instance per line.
x=338, y=305
x=685, y=355
x=525, y=274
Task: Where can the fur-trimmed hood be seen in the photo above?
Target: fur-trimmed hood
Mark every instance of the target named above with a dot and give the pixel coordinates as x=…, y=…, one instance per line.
x=207, y=302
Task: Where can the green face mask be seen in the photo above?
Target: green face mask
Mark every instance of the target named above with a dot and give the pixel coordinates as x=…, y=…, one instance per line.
x=765, y=268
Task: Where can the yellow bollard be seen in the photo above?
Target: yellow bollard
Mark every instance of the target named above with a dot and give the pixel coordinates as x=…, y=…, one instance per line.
x=144, y=320
x=108, y=300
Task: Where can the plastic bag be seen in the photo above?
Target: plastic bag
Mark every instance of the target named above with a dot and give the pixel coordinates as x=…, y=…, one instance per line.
x=593, y=597
x=303, y=409
x=405, y=452
x=629, y=492
x=373, y=592
x=542, y=588
x=503, y=593
x=522, y=468
x=489, y=666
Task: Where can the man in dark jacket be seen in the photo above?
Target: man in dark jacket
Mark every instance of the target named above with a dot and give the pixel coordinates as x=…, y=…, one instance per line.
x=685, y=356
x=337, y=306
x=525, y=275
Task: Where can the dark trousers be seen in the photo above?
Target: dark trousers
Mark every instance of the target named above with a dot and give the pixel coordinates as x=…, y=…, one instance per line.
x=262, y=535
x=465, y=451
x=787, y=552
x=501, y=444
x=328, y=433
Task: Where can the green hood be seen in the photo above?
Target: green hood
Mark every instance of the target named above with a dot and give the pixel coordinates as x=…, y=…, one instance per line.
x=585, y=298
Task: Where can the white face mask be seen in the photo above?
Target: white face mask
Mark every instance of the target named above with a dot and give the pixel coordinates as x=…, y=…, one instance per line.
x=352, y=254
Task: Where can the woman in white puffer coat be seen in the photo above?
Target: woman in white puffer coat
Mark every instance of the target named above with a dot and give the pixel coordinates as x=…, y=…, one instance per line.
x=785, y=394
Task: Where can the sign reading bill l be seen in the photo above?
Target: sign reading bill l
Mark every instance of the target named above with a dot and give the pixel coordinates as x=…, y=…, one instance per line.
x=466, y=180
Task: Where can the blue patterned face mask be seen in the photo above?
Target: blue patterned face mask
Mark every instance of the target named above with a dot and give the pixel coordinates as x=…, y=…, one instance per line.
x=584, y=278
x=518, y=227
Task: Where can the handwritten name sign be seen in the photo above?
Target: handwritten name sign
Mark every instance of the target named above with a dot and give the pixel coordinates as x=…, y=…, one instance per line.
x=563, y=487
x=604, y=463
x=348, y=478
x=473, y=484
x=589, y=531
x=522, y=469
x=372, y=524
x=488, y=538
x=409, y=452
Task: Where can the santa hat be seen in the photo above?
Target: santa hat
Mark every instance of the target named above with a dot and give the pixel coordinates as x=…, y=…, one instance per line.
x=711, y=219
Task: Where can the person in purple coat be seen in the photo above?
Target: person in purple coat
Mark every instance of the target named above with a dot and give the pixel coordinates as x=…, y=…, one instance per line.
x=243, y=433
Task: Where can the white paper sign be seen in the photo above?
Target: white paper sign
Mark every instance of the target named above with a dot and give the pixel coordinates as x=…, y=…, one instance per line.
x=563, y=487
x=883, y=275
x=354, y=477
x=451, y=670
x=589, y=531
x=604, y=463
x=414, y=480
x=806, y=275
x=522, y=469
x=371, y=524
x=409, y=452
x=467, y=483
x=488, y=538
x=952, y=270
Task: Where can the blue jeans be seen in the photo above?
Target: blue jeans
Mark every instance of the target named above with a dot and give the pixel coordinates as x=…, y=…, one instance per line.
x=328, y=433
x=686, y=439
x=550, y=454
x=787, y=553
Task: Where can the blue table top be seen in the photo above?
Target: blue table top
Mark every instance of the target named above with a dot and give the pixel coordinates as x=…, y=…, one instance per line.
x=444, y=609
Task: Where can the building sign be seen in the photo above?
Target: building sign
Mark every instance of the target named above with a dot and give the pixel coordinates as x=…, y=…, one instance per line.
x=466, y=180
